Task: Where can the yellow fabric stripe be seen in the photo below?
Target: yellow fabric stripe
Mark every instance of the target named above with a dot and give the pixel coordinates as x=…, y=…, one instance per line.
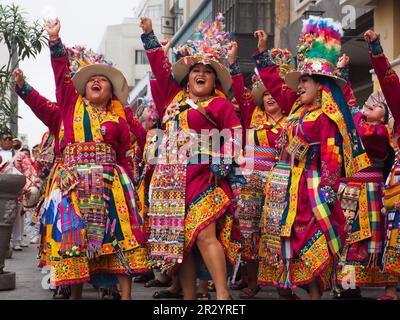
x=79, y=132
x=363, y=218
x=293, y=194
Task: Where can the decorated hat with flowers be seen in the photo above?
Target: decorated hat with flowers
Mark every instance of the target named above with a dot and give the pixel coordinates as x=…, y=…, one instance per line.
x=280, y=57
x=85, y=63
x=318, y=51
x=210, y=46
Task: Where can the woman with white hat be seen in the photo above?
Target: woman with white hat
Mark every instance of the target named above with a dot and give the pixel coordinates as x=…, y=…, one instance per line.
x=90, y=221
x=195, y=89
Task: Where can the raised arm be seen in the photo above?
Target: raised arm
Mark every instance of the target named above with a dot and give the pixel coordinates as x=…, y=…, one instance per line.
x=269, y=74
x=44, y=109
x=159, y=62
x=240, y=92
x=388, y=79
x=343, y=66
x=65, y=90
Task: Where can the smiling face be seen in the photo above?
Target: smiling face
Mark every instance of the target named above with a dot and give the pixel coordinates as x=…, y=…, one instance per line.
x=270, y=105
x=202, y=80
x=308, y=89
x=98, y=89
x=374, y=112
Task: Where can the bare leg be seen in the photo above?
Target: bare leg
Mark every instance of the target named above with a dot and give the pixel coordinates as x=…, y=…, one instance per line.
x=214, y=258
x=187, y=278
x=76, y=291
x=125, y=283
x=315, y=293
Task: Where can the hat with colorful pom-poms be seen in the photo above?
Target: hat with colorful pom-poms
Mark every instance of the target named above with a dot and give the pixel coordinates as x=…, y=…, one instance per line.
x=318, y=51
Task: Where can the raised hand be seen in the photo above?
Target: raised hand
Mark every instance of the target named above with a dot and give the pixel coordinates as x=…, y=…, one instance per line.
x=370, y=36
x=343, y=61
x=53, y=27
x=166, y=44
x=232, y=53
x=146, y=24
x=262, y=40
x=19, y=77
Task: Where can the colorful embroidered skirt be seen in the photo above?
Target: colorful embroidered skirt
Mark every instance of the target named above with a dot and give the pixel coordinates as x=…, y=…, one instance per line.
x=391, y=255
x=293, y=250
x=90, y=222
x=259, y=162
x=360, y=263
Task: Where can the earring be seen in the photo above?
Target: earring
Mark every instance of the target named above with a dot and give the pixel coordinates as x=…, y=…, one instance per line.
x=319, y=99
x=187, y=88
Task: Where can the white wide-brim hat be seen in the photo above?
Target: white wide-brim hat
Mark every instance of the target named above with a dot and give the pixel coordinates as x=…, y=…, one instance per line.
x=117, y=79
x=182, y=67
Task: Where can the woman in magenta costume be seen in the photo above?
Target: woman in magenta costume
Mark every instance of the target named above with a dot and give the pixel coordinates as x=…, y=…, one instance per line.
x=91, y=222
x=390, y=86
x=200, y=214
x=303, y=222
x=263, y=120
x=361, y=195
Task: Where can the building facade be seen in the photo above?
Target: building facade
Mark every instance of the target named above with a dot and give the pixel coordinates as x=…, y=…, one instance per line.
x=356, y=16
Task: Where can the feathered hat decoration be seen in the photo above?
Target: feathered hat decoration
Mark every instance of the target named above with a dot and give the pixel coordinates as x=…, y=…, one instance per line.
x=210, y=45
x=79, y=57
x=318, y=50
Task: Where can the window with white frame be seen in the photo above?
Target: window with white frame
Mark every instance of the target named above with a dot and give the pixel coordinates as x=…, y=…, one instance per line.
x=141, y=57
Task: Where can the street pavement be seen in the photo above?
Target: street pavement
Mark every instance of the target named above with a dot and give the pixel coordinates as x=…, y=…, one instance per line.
x=29, y=283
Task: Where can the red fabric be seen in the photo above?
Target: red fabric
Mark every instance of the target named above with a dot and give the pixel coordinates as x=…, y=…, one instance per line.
x=247, y=105
x=48, y=112
x=136, y=128
x=220, y=110
x=374, y=137
x=116, y=134
x=390, y=85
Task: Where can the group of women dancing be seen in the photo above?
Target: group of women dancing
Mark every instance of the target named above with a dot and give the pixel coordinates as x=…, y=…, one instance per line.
x=301, y=189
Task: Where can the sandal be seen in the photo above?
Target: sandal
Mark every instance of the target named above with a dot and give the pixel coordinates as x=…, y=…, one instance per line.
x=166, y=294
x=144, y=277
x=211, y=286
x=248, y=293
x=203, y=296
x=238, y=285
x=157, y=283
x=62, y=292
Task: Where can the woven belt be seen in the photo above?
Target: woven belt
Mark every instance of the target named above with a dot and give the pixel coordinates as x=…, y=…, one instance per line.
x=368, y=175
x=89, y=152
x=260, y=158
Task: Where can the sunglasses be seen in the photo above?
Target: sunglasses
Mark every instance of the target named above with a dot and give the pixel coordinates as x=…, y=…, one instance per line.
x=8, y=139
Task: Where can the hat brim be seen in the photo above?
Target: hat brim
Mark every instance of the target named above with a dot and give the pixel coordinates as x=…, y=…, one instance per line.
x=117, y=79
x=182, y=67
x=258, y=94
x=292, y=78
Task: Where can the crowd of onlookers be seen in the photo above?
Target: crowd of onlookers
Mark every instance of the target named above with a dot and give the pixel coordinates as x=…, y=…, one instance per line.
x=17, y=158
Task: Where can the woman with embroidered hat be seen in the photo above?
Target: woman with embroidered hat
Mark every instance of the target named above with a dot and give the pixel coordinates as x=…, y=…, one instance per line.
x=263, y=119
x=91, y=223
x=303, y=221
x=390, y=86
x=199, y=217
x=361, y=195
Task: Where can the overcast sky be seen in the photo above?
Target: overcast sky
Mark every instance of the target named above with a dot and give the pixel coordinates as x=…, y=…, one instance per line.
x=82, y=22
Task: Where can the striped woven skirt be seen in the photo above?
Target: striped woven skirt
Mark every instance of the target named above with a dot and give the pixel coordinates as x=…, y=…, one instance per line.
x=89, y=221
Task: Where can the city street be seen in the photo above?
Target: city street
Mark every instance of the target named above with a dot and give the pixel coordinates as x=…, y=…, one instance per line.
x=29, y=283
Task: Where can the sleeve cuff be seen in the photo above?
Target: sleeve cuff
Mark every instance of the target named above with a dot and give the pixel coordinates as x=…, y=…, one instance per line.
x=329, y=195
x=221, y=168
x=234, y=69
x=344, y=72
x=150, y=41
x=57, y=49
x=375, y=47
x=262, y=59
x=24, y=91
